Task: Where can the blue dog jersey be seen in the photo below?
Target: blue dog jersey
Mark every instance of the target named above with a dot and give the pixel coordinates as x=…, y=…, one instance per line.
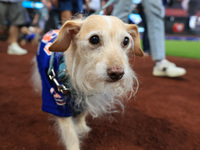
x=54, y=102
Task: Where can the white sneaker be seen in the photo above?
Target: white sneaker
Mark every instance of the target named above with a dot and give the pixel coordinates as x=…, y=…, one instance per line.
x=15, y=49
x=168, y=69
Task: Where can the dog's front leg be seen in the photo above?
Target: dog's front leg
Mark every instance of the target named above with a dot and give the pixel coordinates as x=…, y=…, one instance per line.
x=68, y=133
x=80, y=124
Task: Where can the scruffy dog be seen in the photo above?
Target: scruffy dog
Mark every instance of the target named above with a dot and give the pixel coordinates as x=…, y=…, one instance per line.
x=97, y=74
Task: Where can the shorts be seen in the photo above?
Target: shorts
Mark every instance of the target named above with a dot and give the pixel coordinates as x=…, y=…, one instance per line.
x=74, y=6
x=13, y=14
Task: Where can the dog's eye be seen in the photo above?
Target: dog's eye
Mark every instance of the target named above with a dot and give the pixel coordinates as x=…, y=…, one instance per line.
x=94, y=39
x=126, y=41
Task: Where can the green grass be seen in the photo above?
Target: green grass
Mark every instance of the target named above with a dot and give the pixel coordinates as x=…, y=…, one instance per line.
x=188, y=49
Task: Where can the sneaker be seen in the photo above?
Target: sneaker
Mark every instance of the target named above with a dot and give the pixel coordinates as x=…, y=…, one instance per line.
x=168, y=69
x=15, y=49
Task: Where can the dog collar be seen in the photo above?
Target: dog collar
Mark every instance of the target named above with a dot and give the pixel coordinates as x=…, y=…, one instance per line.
x=60, y=78
x=65, y=86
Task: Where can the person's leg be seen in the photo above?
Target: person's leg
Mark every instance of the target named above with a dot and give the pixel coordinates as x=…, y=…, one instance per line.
x=65, y=15
x=13, y=34
x=3, y=10
x=154, y=12
x=16, y=18
x=155, y=23
x=77, y=10
x=145, y=42
x=65, y=8
x=122, y=8
x=14, y=48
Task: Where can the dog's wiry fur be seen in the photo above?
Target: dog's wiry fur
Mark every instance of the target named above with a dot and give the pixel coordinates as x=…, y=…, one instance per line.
x=88, y=65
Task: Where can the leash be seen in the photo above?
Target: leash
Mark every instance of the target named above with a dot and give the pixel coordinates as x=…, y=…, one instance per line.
x=104, y=7
x=61, y=80
x=62, y=75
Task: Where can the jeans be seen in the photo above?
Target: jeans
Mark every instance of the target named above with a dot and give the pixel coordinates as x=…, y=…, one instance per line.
x=154, y=11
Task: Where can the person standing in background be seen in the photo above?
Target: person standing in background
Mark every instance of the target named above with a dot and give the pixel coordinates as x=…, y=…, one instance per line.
x=68, y=8
x=14, y=15
x=122, y=9
x=154, y=12
x=61, y=11
x=40, y=18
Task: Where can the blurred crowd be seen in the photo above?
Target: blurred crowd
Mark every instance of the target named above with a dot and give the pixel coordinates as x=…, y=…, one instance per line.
x=24, y=21
x=34, y=22
x=27, y=21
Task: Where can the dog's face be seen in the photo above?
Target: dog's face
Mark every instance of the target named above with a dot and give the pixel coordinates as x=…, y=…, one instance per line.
x=99, y=46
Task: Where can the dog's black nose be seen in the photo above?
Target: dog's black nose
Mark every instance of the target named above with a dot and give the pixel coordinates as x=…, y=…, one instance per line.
x=115, y=73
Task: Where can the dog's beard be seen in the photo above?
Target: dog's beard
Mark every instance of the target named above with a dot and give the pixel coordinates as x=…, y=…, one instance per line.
x=97, y=95
x=109, y=97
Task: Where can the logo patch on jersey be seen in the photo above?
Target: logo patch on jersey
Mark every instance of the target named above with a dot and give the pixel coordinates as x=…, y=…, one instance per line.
x=58, y=99
x=50, y=35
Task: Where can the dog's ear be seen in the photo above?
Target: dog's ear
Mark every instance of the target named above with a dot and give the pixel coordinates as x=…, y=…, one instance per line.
x=65, y=36
x=133, y=31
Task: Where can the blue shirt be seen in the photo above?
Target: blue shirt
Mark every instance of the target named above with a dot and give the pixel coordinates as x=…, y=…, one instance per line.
x=53, y=102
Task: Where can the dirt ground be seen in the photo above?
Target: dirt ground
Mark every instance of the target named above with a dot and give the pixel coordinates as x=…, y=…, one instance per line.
x=164, y=115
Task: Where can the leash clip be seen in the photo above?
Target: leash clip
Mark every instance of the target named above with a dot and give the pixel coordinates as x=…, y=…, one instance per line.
x=61, y=88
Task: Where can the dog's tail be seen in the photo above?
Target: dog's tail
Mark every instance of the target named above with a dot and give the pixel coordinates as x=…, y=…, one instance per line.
x=35, y=80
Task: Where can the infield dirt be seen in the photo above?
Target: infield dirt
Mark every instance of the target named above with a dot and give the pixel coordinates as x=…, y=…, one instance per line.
x=164, y=115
